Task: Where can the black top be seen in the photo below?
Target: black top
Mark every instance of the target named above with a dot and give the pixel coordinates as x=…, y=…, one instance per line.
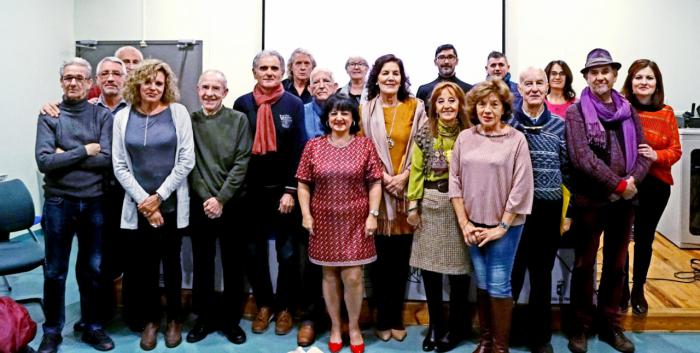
x=276, y=168
x=305, y=96
x=424, y=91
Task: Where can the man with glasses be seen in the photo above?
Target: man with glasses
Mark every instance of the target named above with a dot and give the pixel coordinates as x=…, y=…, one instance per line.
x=446, y=61
x=74, y=153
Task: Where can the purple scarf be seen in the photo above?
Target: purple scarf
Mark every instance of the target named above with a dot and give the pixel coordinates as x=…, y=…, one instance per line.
x=594, y=111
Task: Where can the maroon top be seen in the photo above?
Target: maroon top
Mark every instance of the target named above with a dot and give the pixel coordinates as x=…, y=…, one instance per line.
x=596, y=171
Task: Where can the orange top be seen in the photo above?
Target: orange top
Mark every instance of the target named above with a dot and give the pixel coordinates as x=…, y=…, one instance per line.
x=661, y=132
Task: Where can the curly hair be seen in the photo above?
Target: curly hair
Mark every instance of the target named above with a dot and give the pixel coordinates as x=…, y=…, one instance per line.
x=483, y=90
x=569, y=92
x=146, y=71
x=372, y=84
x=433, y=115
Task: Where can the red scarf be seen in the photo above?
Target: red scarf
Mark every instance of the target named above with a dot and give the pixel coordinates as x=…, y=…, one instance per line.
x=265, y=135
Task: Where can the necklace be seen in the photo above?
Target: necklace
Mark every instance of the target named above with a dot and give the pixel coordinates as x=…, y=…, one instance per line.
x=389, y=140
x=337, y=144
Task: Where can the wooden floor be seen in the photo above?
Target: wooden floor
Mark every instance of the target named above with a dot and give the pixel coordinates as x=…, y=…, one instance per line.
x=673, y=306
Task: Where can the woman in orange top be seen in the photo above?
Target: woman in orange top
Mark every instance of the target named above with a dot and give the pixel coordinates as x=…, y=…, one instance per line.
x=644, y=88
x=391, y=118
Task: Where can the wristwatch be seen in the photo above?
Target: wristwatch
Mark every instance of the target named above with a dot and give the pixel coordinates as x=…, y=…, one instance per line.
x=504, y=225
x=374, y=213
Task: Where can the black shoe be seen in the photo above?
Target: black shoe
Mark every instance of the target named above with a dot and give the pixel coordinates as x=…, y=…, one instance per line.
x=79, y=326
x=98, y=339
x=50, y=343
x=429, y=341
x=447, y=342
x=199, y=332
x=542, y=348
x=617, y=340
x=639, y=302
x=578, y=343
x=235, y=335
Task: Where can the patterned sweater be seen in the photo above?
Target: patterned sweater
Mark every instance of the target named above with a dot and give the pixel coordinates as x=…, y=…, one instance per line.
x=547, y=144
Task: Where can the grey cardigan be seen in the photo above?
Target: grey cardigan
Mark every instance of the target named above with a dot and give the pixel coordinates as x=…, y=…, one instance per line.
x=176, y=181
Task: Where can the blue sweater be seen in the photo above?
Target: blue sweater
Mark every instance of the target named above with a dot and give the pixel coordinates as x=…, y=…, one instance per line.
x=548, y=153
x=276, y=168
x=73, y=173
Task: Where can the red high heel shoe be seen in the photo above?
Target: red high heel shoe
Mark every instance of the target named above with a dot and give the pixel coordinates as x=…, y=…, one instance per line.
x=335, y=347
x=360, y=348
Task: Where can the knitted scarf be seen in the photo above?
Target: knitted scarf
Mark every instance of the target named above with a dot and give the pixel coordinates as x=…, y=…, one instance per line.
x=265, y=135
x=594, y=111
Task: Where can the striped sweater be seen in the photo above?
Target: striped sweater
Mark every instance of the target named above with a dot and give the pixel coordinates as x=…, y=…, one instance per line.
x=661, y=132
x=546, y=141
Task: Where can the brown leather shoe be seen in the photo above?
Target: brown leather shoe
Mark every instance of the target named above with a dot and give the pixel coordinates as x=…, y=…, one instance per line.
x=262, y=320
x=149, y=336
x=306, y=335
x=173, y=335
x=283, y=322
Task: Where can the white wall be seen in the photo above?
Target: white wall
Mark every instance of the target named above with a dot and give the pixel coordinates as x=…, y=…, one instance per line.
x=231, y=30
x=37, y=38
x=538, y=31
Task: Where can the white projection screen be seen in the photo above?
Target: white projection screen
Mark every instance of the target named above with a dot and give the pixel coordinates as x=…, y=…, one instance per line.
x=334, y=30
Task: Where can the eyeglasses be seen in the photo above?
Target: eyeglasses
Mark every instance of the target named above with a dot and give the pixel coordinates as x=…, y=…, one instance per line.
x=115, y=74
x=356, y=64
x=446, y=57
x=79, y=79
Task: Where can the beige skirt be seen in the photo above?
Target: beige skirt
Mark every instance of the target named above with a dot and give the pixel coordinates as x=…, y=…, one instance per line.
x=438, y=245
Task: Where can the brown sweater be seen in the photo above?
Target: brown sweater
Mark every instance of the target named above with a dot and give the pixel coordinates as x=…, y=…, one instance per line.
x=493, y=174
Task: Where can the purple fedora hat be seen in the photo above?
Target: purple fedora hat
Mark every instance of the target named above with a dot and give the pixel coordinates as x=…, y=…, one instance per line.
x=598, y=57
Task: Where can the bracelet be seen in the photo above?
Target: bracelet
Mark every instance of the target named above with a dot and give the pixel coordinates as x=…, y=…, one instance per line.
x=412, y=208
x=160, y=198
x=504, y=225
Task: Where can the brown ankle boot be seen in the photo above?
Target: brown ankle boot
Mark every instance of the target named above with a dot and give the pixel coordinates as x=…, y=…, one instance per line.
x=502, y=313
x=149, y=336
x=173, y=335
x=483, y=305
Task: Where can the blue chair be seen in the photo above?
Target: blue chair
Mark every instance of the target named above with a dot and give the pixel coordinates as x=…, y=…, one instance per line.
x=20, y=254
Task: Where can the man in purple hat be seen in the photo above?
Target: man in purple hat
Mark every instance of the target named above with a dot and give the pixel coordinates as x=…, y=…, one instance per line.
x=603, y=133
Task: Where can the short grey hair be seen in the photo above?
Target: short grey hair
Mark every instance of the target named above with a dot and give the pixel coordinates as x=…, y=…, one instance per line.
x=265, y=53
x=128, y=47
x=296, y=52
x=320, y=70
x=112, y=59
x=218, y=73
x=355, y=58
x=78, y=62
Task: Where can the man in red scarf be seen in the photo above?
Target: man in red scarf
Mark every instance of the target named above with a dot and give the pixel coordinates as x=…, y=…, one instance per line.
x=277, y=122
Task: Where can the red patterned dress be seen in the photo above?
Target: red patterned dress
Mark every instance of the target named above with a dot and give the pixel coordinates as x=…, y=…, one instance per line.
x=339, y=178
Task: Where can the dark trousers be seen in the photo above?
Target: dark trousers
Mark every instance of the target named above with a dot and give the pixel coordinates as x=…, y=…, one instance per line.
x=615, y=221
x=536, y=253
x=204, y=232
x=62, y=218
x=653, y=196
x=311, y=303
x=113, y=247
x=458, y=321
x=149, y=247
x=262, y=220
x=389, y=275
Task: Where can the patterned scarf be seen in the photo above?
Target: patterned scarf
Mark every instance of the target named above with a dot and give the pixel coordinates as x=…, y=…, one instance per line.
x=265, y=135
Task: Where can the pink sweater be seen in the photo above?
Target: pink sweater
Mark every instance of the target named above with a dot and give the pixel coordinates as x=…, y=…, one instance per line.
x=493, y=174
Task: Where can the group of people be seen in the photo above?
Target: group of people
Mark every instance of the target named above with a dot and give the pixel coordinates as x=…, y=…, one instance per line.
x=458, y=180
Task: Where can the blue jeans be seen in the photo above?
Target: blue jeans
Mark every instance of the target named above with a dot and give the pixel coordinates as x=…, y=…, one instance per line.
x=493, y=263
x=62, y=218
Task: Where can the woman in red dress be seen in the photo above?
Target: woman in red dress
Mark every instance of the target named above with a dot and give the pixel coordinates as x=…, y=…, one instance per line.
x=339, y=193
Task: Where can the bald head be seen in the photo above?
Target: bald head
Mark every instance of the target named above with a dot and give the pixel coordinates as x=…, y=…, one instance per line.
x=130, y=56
x=533, y=87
